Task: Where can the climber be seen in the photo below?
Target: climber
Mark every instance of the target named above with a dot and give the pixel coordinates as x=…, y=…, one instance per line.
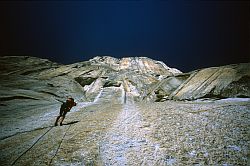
x=65, y=107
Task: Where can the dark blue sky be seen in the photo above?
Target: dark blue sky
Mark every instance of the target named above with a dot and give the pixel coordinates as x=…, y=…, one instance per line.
x=184, y=34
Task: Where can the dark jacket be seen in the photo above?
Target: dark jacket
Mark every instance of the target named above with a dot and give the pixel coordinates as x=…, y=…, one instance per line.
x=65, y=107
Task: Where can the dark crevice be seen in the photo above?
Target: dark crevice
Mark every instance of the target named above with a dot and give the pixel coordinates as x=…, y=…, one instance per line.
x=62, y=74
x=16, y=97
x=85, y=80
x=242, y=96
x=112, y=84
x=87, y=72
x=51, y=85
x=50, y=93
x=213, y=96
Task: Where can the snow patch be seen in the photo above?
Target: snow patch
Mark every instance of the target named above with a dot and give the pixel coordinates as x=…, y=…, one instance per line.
x=234, y=100
x=98, y=96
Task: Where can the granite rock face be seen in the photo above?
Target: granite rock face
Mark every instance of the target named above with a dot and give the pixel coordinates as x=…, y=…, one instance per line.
x=134, y=74
x=113, y=124
x=215, y=82
x=32, y=84
x=146, y=79
x=137, y=64
x=22, y=77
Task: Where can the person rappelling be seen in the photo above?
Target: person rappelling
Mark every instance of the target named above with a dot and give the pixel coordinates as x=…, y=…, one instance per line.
x=65, y=108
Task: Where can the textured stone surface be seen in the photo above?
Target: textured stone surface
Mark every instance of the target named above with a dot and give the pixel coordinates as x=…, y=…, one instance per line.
x=138, y=64
x=31, y=87
x=116, y=121
x=214, y=82
x=108, y=132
